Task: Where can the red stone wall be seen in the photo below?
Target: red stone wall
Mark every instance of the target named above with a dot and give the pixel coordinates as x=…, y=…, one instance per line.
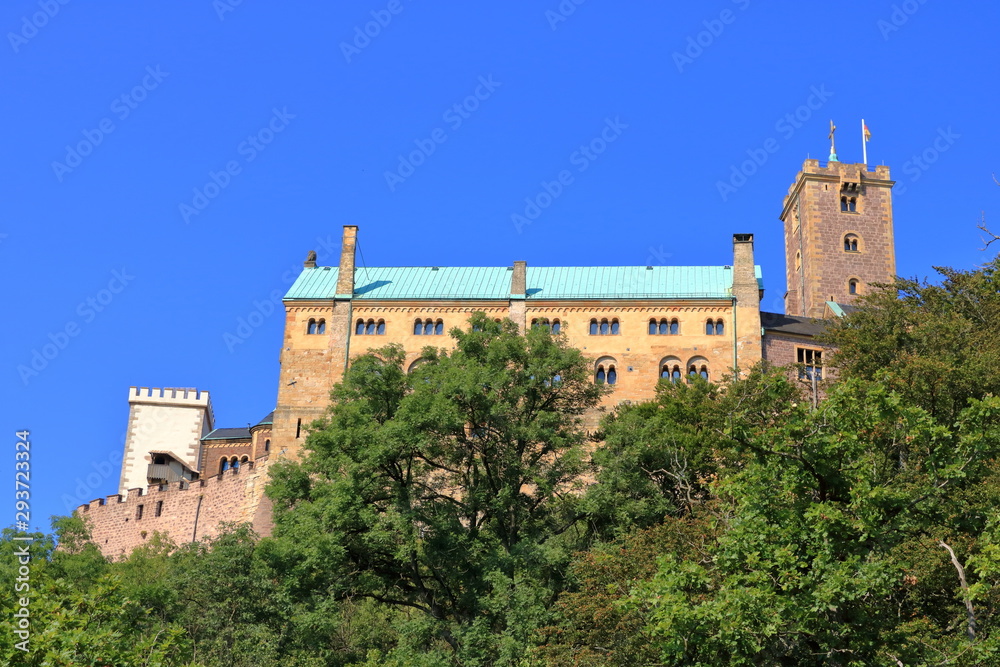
x=186, y=514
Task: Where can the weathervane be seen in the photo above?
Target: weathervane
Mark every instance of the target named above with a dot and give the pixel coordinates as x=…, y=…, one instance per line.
x=833, y=145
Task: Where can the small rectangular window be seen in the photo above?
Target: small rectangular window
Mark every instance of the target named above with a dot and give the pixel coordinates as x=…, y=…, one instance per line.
x=159, y=508
x=138, y=512
x=298, y=428
x=811, y=364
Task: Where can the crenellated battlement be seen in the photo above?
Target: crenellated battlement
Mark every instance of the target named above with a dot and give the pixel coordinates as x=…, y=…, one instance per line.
x=184, y=511
x=180, y=396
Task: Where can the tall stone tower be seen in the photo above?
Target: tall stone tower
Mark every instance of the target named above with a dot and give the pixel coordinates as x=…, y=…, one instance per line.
x=838, y=235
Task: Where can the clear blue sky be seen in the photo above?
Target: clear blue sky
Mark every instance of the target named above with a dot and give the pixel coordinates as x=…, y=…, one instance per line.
x=116, y=113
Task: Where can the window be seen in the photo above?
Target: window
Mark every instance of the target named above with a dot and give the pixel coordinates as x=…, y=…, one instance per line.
x=438, y=328
x=606, y=374
x=543, y=323
x=851, y=243
x=223, y=466
x=720, y=328
x=418, y=328
x=311, y=328
x=321, y=327
x=697, y=371
x=715, y=328
x=234, y=462
x=267, y=445
x=605, y=327
x=852, y=286
x=670, y=372
x=664, y=327
x=138, y=512
x=849, y=204
x=159, y=508
x=370, y=328
x=811, y=364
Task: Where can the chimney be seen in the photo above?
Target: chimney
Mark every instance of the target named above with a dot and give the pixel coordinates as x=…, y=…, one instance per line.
x=519, y=280
x=746, y=292
x=345, y=278
x=310, y=262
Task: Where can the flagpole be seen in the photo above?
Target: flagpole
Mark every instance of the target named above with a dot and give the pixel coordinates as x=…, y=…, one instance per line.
x=864, y=143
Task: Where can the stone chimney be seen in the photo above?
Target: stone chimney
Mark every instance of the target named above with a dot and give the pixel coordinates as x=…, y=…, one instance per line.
x=746, y=293
x=310, y=262
x=345, y=279
x=518, y=294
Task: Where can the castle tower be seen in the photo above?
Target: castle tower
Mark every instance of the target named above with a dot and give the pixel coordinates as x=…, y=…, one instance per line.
x=168, y=422
x=838, y=235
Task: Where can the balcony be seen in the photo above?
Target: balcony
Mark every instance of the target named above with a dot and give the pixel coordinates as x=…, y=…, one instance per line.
x=161, y=472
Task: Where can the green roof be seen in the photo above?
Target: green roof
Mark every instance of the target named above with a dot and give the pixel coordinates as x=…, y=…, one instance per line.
x=493, y=283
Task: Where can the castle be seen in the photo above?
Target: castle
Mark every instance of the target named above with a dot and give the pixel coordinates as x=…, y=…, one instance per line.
x=182, y=476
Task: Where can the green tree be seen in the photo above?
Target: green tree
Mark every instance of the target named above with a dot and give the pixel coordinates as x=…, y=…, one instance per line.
x=935, y=344
x=827, y=553
x=450, y=491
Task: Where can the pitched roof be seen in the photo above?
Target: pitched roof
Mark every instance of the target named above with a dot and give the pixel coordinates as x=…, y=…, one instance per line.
x=792, y=324
x=486, y=283
x=228, y=434
x=268, y=419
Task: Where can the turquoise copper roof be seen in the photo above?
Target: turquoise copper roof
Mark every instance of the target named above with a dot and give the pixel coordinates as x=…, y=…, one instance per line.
x=488, y=283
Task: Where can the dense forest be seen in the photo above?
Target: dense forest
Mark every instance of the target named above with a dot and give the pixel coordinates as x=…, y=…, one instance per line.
x=461, y=515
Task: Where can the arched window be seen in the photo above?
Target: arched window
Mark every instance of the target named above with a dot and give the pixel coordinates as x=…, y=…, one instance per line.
x=428, y=327
x=852, y=286
x=311, y=328
x=234, y=462
x=710, y=328
x=267, y=445
x=601, y=375
x=223, y=466
x=360, y=327
x=675, y=327
x=675, y=374
x=245, y=459
x=852, y=205
x=556, y=326
x=703, y=372
x=370, y=328
x=612, y=375
x=418, y=328
x=380, y=329
x=614, y=328
x=851, y=243
x=720, y=328
x=593, y=327
x=438, y=328
x=692, y=372
x=605, y=327
x=321, y=327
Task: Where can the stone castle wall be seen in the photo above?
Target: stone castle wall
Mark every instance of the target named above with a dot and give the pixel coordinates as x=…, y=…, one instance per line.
x=183, y=511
